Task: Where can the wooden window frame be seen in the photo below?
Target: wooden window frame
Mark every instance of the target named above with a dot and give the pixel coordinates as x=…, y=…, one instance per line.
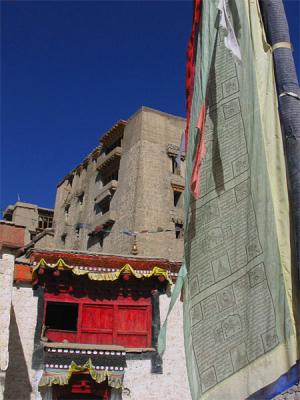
x=117, y=334
x=44, y=222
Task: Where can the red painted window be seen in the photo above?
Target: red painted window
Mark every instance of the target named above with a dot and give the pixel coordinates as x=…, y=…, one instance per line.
x=123, y=321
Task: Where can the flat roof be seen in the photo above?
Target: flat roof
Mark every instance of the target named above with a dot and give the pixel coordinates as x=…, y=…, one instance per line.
x=163, y=113
x=11, y=207
x=117, y=127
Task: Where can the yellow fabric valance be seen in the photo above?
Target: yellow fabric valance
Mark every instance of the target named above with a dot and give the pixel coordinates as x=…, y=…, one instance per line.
x=103, y=276
x=114, y=379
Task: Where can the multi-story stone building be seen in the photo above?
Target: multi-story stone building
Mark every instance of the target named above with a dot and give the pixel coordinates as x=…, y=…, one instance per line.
x=125, y=198
x=130, y=182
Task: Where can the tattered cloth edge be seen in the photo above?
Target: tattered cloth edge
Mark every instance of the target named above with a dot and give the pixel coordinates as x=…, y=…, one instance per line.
x=103, y=276
x=114, y=379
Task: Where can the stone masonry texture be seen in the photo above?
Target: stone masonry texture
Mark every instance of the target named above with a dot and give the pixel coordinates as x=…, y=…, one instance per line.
x=143, y=199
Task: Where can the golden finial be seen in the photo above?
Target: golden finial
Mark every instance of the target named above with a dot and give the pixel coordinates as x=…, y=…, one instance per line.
x=134, y=249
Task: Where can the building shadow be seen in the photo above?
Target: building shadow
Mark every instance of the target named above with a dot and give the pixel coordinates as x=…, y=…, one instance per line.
x=17, y=382
x=37, y=356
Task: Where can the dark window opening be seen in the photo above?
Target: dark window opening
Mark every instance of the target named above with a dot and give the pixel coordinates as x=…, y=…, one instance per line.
x=80, y=199
x=112, y=176
x=98, y=178
x=103, y=206
x=177, y=198
x=70, y=180
x=179, y=231
x=61, y=316
x=175, y=167
x=113, y=146
x=77, y=231
x=32, y=236
x=67, y=210
x=45, y=222
x=8, y=217
x=63, y=238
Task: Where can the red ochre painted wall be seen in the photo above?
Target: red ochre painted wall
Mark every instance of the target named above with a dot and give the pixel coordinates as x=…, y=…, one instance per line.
x=11, y=236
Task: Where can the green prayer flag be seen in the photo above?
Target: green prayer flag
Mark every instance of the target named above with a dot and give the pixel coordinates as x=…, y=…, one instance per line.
x=239, y=326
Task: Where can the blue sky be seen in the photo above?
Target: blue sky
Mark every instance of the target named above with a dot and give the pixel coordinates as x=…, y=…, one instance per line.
x=71, y=69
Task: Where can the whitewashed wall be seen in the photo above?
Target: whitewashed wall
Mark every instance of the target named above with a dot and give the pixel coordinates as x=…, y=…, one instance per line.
x=22, y=375
x=173, y=383
x=6, y=279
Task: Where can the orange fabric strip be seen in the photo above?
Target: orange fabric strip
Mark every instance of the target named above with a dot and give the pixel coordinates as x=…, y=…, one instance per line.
x=195, y=179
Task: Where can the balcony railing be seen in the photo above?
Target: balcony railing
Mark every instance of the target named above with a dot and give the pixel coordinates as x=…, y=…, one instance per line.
x=107, y=190
x=103, y=162
x=177, y=181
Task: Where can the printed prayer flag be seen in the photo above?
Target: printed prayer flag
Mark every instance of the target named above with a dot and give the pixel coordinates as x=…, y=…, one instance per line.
x=230, y=39
x=239, y=323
